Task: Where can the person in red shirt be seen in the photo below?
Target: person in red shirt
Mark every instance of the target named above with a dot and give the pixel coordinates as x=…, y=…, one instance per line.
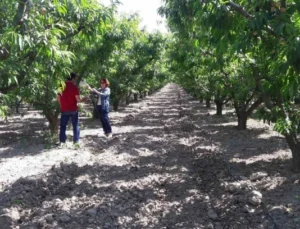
x=68, y=100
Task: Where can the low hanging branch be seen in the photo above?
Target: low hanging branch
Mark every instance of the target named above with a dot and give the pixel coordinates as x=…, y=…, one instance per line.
x=24, y=7
x=247, y=15
x=20, y=12
x=240, y=9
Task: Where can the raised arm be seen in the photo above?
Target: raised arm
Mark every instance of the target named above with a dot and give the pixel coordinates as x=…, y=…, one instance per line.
x=106, y=91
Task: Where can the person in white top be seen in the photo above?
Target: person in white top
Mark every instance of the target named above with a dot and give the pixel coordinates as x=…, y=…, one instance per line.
x=103, y=105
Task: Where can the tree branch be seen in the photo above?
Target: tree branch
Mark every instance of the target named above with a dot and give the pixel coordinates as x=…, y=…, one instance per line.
x=240, y=9
x=266, y=98
x=247, y=15
x=254, y=106
x=20, y=13
x=250, y=98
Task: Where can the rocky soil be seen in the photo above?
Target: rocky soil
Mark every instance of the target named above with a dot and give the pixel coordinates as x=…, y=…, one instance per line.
x=170, y=164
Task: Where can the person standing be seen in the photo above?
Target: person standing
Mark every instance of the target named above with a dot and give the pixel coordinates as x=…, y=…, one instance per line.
x=103, y=105
x=68, y=100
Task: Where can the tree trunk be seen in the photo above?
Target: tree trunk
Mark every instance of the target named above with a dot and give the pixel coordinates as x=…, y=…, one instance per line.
x=94, y=100
x=20, y=13
x=127, y=99
x=53, y=123
x=116, y=104
x=242, y=120
x=18, y=104
x=95, y=113
x=207, y=102
x=219, y=106
x=135, y=97
x=243, y=113
x=295, y=148
x=297, y=101
x=145, y=94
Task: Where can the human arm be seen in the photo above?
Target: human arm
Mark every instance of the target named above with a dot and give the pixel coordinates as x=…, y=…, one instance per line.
x=97, y=92
x=94, y=90
x=104, y=92
x=81, y=99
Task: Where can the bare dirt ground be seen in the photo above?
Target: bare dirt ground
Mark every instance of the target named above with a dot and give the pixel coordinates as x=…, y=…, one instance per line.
x=170, y=164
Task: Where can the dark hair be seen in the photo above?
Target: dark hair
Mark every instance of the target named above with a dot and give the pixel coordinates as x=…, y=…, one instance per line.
x=72, y=76
x=104, y=80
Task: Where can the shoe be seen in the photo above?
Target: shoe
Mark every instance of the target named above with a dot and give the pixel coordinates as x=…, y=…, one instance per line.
x=60, y=145
x=76, y=145
x=109, y=135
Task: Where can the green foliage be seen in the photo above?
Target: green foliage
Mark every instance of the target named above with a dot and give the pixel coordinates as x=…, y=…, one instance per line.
x=255, y=44
x=43, y=41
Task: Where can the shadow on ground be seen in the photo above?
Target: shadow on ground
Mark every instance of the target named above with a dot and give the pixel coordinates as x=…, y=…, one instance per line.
x=179, y=160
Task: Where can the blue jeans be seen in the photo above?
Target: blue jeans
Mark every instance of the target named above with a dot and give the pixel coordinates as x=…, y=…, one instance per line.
x=104, y=119
x=65, y=116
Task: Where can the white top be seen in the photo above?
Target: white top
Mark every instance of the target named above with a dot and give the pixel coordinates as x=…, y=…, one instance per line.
x=99, y=98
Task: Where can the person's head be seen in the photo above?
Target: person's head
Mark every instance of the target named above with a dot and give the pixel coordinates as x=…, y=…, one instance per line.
x=104, y=83
x=72, y=76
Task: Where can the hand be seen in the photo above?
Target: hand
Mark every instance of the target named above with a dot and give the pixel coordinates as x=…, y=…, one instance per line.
x=85, y=98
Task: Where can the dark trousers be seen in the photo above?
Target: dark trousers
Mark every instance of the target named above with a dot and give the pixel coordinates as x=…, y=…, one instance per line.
x=104, y=119
x=65, y=116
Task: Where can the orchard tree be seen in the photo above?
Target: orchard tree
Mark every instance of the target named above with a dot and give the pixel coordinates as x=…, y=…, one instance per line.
x=131, y=64
x=36, y=47
x=267, y=29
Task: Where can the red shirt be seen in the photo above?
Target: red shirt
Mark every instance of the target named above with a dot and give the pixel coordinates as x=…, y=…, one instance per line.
x=68, y=100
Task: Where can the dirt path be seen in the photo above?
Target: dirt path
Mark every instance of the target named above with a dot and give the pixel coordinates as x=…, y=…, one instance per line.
x=170, y=164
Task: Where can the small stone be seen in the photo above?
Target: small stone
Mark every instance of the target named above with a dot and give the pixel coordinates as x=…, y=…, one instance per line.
x=5, y=221
x=92, y=212
x=297, y=220
x=218, y=226
x=255, y=198
x=64, y=218
x=210, y=226
x=247, y=209
x=258, y=176
x=91, y=221
x=5, y=210
x=58, y=202
x=295, y=176
x=243, y=178
x=134, y=169
x=65, y=207
x=41, y=222
x=49, y=218
x=263, y=225
x=234, y=187
x=108, y=225
x=212, y=215
x=14, y=215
